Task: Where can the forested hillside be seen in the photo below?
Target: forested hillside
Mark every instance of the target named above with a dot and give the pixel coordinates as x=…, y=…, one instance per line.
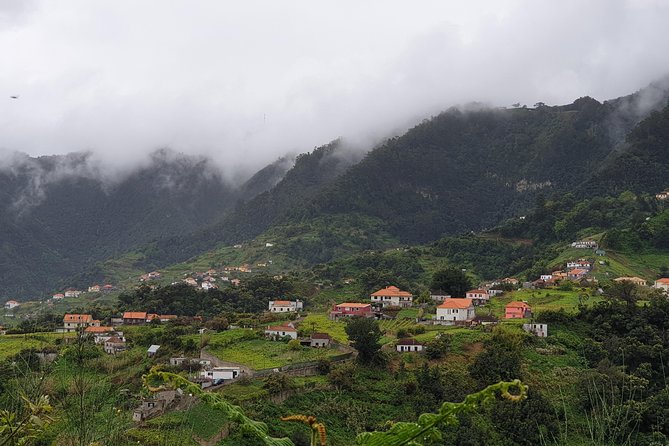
x=57, y=215
x=467, y=169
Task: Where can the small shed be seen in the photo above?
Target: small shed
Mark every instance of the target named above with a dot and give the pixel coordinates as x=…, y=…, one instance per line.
x=409, y=345
x=153, y=350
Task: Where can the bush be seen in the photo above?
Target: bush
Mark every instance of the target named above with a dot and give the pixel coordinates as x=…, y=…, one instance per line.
x=294, y=344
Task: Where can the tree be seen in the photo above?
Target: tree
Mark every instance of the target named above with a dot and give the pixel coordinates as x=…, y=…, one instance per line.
x=501, y=358
x=365, y=336
x=451, y=280
x=439, y=346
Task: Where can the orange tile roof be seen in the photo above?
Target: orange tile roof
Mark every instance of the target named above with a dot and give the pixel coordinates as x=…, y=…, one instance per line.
x=98, y=329
x=280, y=328
x=78, y=318
x=457, y=303
x=578, y=271
x=663, y=280
x=477, y=291
x=353, y=305
x=517, y=304
x=282, y=303
x=134, y=315
x=392, y=291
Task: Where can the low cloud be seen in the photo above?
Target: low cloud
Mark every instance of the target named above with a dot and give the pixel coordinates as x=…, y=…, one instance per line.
x=248, y=83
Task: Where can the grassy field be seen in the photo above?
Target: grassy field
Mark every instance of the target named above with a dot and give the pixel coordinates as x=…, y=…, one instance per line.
x=238, y=346
x=321, y=323
x=13, y=344
x=539, y=300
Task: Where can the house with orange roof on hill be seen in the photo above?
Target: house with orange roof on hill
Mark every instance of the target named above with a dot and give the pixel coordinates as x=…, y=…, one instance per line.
x=11, y=304
x=577, y=274
x=134, y=317
x=351, y=309
x=454, y=311
x=392, y=296
x=73, y=322
x=662, y=284
x=517, y=310
x=285, y=306
x=280, y=331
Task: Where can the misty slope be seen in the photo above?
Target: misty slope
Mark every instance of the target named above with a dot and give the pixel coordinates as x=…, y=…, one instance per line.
x=460, y=171
x=310, y=174
x=57, y=217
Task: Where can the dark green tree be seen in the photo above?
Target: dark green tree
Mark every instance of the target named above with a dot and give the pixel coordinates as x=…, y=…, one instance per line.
x=365, y=335
x=452, y=280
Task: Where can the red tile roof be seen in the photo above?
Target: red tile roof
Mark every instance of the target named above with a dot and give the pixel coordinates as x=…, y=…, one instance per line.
x=353, y=305
x=517, y=304
x=282, y=303
x=320, y=336
x=98, y=329
x=280, y=328
x=134, y=315
x=456, y=303
x=392, y=291
x=78, y=318
x=664, y=280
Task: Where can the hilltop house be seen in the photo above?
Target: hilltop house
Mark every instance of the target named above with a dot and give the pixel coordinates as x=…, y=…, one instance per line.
x=153, y=275
x=409, y=345
x=662, y=195
x=107, y=288
x=280, y=331
x=73, y=322
x=71, y=292
x=635, y=280
x=285, y=306
x=351, y=309
x=580, y=264
x=11, y=304
x=577, y=274
x=662, y=284
x=455, y=310
x=480, y=297
x=58, y=296
x=94, y=289
x=190, y=281
x=585, y=244
x=517, y=310
x=392, y=297
x=208, y=286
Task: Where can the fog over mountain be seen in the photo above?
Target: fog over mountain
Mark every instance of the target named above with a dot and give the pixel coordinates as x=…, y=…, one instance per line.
x=247, y=83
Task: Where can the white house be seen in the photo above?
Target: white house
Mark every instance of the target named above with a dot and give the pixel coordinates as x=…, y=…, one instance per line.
x=208, y=286
x=409, y=345
x=580, y=263
x=478, y=296
x=585, y=244
x=662, y=284
x=224, y=373
x=540, y=330
x=11, y=304
x=285, y=306
x=319, y=340
x=392, y=297
x=455, y=310
x=281, y=331
x=153, y=349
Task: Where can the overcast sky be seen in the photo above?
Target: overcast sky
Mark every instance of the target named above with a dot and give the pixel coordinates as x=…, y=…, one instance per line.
x=248, y=81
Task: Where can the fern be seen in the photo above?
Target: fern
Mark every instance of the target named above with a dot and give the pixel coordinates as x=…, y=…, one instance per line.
x=426, y=430
x=400, y=434
x=157, y=380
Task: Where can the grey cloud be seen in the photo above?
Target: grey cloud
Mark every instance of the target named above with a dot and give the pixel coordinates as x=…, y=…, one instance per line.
x=246, y=83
